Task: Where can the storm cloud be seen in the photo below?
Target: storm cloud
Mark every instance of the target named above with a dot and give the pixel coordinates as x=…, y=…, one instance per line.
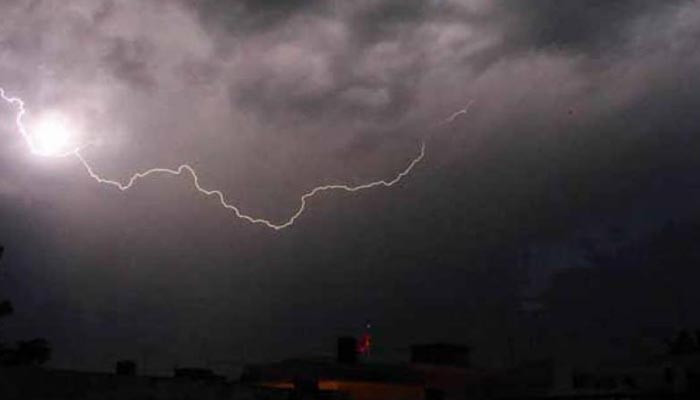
x=583, y=118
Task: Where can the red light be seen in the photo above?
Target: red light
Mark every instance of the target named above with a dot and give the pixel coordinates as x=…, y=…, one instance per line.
x=364, y=344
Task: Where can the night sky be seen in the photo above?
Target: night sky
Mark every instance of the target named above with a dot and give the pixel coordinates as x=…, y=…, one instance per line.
x=560, y=214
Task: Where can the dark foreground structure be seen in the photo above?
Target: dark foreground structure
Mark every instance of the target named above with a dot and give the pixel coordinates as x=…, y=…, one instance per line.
x=26, y=383
x=433, y=372
x=443, y=371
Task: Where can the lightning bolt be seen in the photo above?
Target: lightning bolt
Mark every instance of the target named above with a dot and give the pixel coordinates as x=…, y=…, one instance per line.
x=456, y=114
x=218, y=194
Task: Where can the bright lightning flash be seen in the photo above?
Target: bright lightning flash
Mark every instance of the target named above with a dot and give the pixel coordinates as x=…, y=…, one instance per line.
x=53, y=136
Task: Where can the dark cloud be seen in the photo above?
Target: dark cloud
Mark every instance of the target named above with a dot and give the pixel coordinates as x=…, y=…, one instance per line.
x=249, y=16
x=584, y=25
x=128, y=61
x=651, y=279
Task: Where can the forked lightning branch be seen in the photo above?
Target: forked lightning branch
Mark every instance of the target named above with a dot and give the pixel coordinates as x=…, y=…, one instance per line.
x=51, y=136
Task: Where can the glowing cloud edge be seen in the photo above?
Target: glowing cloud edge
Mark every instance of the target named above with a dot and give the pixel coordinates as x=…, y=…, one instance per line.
x=21, y=112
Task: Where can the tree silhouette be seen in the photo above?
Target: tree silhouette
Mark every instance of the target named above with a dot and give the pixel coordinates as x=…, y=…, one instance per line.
x=26, y=352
